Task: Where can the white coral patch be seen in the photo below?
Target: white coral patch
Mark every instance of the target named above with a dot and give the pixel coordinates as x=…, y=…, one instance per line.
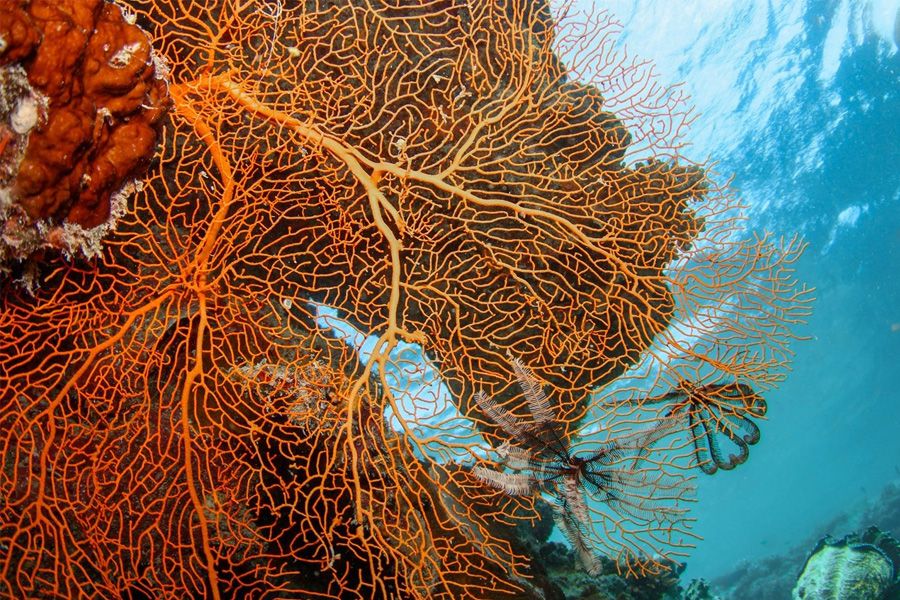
x=25, y=115
x=161, y=66
x=122, y=58
x=78, y=241
x=22, y=109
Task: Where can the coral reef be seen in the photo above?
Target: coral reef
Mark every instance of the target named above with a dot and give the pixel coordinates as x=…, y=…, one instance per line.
x=770, y=577
x=178, y=418
x=884, y=510
x=699, y=589
x=557, y=573
x=776, y=576
x=81, y=104
x=858, y=567
x=558, y=562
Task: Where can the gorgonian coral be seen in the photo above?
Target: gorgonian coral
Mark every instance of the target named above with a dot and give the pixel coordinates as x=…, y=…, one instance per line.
x=177, y=418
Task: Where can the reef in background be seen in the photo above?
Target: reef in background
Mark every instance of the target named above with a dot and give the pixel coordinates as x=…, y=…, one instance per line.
x=776, y=576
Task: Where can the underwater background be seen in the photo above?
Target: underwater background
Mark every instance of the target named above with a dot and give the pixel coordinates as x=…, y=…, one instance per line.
x=206, y=378
x=799, y=101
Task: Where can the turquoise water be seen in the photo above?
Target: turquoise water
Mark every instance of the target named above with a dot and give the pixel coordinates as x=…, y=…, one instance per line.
x=800, y=102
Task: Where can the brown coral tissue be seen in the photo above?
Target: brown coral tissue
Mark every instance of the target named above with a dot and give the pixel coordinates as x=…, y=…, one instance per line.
x=81, y=102
x=264, y=385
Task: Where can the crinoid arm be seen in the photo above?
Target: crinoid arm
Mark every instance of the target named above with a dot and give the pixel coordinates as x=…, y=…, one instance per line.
x=708, y=434
x=514, y=484
x=514, y=456
x=544, y=433
x=573, y=519
x=507, y=421
x=718, y=416
x=721, y=417
x=637, y=444
x=546, y=430
x=538, y=402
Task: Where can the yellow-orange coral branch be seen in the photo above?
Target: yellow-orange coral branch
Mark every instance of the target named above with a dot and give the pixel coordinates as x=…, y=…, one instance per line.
x=354, y=161
x=186, y=438
x=48, y=414
x=205, y=132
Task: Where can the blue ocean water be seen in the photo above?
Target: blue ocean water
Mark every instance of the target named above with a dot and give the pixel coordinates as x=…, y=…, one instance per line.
x=799, y=101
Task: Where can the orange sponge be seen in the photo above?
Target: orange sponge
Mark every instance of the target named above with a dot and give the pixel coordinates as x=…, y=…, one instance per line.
x=81, y=101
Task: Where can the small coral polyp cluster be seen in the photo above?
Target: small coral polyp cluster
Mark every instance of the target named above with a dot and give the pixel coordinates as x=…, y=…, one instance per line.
x=175, y=418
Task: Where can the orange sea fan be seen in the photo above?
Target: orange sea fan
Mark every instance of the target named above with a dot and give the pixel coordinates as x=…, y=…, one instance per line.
x=175, y=418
